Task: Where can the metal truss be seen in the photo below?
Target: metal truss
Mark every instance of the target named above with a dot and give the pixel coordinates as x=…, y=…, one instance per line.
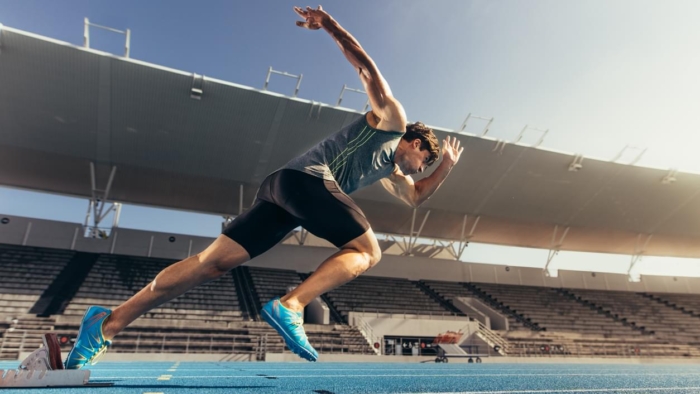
x=522, y=133
x=270, y=71
x=639, y=251
x=96, y=207
x=486, y=128
x=228, y=218
x=86, y=36
x=345, y=87
x=457, y=250
x=555, y=247
x=630, y=147
x=301, y=236
x=408, y=244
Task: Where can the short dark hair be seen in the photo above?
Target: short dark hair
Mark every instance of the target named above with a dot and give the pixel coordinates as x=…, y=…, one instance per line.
x=428, y=139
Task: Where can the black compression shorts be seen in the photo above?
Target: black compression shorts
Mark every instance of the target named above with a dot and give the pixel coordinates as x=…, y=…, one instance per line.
x=290, y=198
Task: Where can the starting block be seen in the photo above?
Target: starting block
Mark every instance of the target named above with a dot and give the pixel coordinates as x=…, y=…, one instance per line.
x=447, y=346
x=445, y=351
x=44, y=368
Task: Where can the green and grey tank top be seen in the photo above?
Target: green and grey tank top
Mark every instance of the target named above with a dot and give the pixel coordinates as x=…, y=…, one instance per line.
x=356, y=156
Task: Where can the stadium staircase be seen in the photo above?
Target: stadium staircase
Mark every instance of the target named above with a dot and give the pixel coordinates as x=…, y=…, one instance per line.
x=246, y=293
x=437, y=298
x=683, y=309
x=604, y=311
x=491, y=301
x=61, y=291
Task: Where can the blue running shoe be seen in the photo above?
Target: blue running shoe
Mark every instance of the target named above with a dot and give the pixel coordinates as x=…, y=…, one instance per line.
x=289, y=325
x=90, y=344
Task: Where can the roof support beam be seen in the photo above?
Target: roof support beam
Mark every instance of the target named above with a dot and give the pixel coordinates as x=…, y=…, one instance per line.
x=639, y=251
x=408, y=244
x=311, y=110
x=577, y=164
x=463, y=240
x=261, y=169
x=96, y=207
x=554, y=249
x=301, y=236
x=500, y=145
x=670, y=177
x=240, y=200
x=197, y=88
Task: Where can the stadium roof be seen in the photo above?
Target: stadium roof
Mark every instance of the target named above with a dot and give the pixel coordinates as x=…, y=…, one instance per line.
x=63, y=106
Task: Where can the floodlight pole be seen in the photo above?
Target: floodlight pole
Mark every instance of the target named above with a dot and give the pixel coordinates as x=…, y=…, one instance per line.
x=86, y=36
x=270, y=71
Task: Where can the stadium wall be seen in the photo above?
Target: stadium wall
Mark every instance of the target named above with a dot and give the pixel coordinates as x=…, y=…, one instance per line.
x=64, y=235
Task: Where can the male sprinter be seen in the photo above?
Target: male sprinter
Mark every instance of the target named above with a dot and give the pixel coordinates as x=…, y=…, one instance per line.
x=311, y=191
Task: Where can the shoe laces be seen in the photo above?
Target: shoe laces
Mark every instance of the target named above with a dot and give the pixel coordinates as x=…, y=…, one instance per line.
x=101, y=352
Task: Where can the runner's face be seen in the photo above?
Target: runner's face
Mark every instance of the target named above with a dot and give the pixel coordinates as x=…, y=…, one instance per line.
x=414, y=160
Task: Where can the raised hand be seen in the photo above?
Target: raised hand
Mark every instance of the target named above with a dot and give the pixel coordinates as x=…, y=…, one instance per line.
x=313, y=17
x=451, y=150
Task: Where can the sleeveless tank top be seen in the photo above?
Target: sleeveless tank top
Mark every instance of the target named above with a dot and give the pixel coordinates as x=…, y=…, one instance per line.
x=356, y=156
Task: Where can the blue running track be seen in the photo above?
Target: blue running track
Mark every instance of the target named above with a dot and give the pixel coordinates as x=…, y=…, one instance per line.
x=328, y=378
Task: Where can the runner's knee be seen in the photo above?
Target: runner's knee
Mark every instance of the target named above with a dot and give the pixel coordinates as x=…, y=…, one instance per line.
x=368, y=259
x=216, y=266
x=374, y=256
x=221, y=257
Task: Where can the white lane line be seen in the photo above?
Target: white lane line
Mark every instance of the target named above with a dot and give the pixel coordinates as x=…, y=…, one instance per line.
x=643, y=389
x=165, y=377
x=462, y=375
x=455, y=367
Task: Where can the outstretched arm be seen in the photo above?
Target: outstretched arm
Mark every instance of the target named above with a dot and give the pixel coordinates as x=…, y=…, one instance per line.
x=384, y=106
x=416, y=193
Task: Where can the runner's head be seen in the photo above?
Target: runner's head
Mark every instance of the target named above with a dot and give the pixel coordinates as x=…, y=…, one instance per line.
x=418, y=149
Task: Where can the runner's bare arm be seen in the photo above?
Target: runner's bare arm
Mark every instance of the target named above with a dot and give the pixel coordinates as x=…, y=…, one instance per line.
x=416, y=193
x=385, y=106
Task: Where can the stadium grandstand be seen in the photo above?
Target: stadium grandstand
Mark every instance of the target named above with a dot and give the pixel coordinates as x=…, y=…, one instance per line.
x=79, y=122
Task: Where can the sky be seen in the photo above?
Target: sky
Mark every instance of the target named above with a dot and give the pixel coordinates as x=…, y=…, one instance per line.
x=599, y=75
